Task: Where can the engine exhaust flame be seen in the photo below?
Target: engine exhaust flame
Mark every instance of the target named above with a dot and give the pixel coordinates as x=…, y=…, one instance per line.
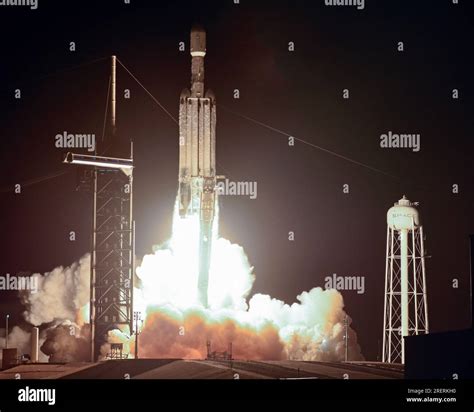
x=176, y=325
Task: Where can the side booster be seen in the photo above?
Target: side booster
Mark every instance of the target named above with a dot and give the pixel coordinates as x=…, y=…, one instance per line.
x=197, y=157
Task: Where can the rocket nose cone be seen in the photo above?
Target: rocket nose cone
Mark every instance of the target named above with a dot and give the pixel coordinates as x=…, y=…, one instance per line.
x=197, y=28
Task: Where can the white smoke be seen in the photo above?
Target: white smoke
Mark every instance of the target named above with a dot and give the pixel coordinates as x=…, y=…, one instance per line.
x=312, y=328
x=17, y=338
x=61, y=293
x=61, y=298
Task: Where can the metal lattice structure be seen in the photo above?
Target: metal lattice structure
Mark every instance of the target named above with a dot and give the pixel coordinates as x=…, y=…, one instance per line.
x=405, y=308
x=112, y=261
x=113, y=232
x=116, y=351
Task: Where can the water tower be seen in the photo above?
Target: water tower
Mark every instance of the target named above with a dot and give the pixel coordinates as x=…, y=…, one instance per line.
x=406, y=306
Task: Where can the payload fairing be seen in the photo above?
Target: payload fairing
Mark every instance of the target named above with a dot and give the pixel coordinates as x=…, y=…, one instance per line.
x=197, y=157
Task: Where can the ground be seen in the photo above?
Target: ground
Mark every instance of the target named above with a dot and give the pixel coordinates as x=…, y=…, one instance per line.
x=205, y=369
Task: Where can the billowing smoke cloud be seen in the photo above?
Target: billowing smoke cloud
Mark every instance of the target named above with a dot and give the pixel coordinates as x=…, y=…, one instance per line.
x=59, y=307
x=61, y=294
x=17, y=338
x=174, y=323
x=67, y=343
x=313, y=328
x=184, y=335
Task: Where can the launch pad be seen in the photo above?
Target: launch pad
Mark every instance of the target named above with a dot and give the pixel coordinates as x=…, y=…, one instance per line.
x=207, y=369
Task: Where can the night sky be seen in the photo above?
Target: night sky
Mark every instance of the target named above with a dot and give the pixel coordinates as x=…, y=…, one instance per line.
x=300, y=188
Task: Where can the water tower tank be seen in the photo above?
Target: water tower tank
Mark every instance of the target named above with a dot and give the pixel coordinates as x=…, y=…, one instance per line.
x=403, y=215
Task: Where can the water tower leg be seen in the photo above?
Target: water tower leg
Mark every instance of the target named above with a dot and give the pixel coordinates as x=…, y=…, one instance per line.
x=385, y=320
x=404, y=286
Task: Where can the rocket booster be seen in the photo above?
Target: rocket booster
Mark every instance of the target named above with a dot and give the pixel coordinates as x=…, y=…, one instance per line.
x=197, y=139
x=197, y=156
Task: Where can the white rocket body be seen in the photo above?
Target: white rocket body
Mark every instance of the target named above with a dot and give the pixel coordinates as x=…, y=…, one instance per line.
x=197, y=139
x=197, y=158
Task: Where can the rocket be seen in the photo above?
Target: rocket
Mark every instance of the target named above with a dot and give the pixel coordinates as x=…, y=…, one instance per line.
x=197, y=138
x=197, y=156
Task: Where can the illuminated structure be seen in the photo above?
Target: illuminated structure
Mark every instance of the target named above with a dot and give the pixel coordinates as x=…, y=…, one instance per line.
x=406, y=306
x=113, y=232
